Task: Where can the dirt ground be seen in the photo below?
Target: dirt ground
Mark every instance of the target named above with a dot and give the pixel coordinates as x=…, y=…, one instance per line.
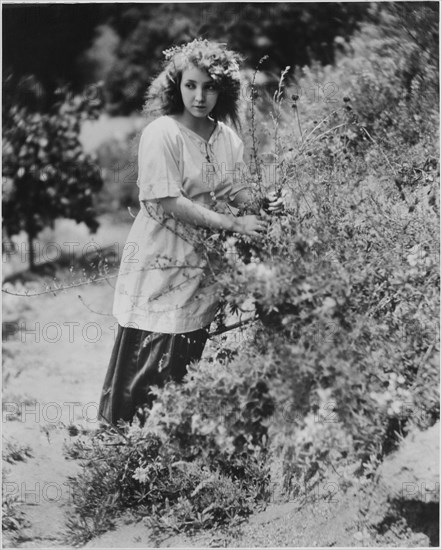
x=55, y=353
x=53, y=385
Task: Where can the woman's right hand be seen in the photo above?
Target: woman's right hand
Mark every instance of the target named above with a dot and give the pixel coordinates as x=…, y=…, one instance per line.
x=250, y=225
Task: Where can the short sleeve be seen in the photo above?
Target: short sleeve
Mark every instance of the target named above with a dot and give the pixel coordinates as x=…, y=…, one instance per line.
x=159, y=173
x=240, y=179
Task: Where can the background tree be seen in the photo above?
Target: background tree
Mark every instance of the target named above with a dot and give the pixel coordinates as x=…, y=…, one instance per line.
x=46, y=173
x=72, y=43
x=46, y=40
x=414, y=28
x=290, y=34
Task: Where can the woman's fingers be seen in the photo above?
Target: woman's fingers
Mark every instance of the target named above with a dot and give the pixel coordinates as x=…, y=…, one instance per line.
x=272, y=196
x=261, y=228
x=276, y=201
x=276, y=205
x=254, y=226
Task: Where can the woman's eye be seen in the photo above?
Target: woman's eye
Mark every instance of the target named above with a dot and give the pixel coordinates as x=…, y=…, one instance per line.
x=207, y=87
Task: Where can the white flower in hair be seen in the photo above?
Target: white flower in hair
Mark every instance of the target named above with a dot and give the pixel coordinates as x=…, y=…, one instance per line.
x=218, y=61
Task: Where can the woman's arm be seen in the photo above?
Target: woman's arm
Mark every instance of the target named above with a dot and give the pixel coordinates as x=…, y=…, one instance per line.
x=195, y=214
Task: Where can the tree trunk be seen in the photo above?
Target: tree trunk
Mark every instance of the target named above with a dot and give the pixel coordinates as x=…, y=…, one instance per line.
x=31, y=236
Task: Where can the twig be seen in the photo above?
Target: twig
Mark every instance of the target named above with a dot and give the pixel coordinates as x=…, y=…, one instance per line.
x=253, y=125
x=114, y=427
x=327, y=132
x=319, y=124
x=97, y=280
x=93, y=310
x=231, y=327
x=276, y=116
x=299, y=123
x=380, y=149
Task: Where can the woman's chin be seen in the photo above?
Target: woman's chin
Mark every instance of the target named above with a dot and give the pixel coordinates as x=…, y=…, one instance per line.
x=200, y=113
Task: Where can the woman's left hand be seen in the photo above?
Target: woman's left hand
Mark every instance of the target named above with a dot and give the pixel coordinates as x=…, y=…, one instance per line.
x=275, y=203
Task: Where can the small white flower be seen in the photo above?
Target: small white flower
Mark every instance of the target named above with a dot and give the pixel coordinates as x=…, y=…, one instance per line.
x=395, y=408
x=141, y=474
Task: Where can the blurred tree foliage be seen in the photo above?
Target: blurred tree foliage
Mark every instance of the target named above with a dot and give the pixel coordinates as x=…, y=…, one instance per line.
x=416, y=26
x=45, y=40
x=50, y=41
x=290, y=33
x=46, y=174
x=66, y=43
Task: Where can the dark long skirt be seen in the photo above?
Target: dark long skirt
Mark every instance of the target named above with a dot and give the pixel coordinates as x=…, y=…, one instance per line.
x=141, y=359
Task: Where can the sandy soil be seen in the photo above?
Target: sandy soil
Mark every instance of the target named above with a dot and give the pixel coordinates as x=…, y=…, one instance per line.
x=55, y=353
x=61, y=368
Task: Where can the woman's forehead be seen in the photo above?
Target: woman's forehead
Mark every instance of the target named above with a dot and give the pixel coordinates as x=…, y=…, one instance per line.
x=198, y=75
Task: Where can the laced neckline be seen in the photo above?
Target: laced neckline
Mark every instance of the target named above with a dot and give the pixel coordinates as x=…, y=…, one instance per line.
x=212, y=136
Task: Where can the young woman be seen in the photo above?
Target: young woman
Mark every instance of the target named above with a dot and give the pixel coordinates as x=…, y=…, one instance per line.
x=190, y=167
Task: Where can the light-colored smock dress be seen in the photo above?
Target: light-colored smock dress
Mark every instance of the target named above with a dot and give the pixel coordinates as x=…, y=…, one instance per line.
x=160, y=285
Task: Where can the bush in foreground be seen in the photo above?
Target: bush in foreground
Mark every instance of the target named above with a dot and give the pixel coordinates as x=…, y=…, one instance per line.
x=344, y=358
x=198, y=461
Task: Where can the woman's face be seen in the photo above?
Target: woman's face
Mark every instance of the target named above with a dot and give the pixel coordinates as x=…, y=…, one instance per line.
x=199, y=92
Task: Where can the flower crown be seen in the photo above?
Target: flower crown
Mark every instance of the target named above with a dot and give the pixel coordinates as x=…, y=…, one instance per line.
x=214, y=57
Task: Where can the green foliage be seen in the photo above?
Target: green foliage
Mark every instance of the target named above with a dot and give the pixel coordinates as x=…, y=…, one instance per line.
x=14, y=451
x=398, y=79
x=13, y=517
x=124, y=43
x=198, y=461
x=289, y=33
x=46, y=173
x=346, y=281
x=343, y=359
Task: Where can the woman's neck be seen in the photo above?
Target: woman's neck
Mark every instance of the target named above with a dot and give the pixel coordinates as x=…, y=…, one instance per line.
x=202, y=126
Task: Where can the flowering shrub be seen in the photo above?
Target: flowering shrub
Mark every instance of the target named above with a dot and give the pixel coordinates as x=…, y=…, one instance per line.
x=198, y=461
x=345, y=282
x=344, y=287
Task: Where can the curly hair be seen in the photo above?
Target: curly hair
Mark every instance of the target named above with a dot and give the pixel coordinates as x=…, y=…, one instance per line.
x=221, y=64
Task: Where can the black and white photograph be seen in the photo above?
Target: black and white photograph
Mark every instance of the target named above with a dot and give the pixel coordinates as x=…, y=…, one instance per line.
x=220, y=274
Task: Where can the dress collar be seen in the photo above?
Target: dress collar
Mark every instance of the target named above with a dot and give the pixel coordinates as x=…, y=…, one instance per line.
x=196, y=136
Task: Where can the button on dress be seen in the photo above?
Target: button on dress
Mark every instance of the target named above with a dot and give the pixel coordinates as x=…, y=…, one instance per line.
x=161, y=282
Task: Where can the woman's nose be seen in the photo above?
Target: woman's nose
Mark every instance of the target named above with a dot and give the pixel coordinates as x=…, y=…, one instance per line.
x=199, y=94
